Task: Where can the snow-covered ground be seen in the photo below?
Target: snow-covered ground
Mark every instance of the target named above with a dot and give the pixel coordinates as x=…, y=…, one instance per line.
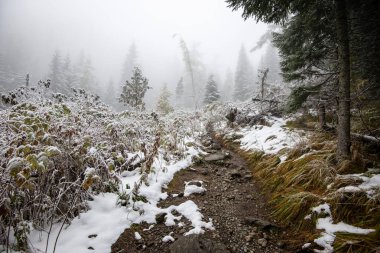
x=327, y=237
x=97, y=229
x=269, y=139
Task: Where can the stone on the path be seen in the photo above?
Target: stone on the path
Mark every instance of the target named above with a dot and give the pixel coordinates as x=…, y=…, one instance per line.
x=258, y=222
x=197, y=244
x=262, y=242
x=92, y=236
x=215, y=157
x=160, y=218
x=216, y=146
x=248, y=177
x=203, y=171
x=235, y=174
x=196, y=183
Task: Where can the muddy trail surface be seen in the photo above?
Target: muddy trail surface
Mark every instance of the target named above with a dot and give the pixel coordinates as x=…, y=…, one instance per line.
x=233, y=200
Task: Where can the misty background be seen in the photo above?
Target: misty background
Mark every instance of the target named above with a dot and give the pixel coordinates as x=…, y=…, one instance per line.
x=102, y=35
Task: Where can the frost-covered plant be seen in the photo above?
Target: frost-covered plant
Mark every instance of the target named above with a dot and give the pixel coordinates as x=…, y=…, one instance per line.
x=57, y=150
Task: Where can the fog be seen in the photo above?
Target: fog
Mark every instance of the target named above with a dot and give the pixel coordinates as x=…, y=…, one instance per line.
x=32, y=30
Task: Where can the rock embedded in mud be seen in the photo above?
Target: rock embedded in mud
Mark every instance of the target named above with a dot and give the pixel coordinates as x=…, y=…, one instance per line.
x=160, y=218
x=248, y=177
x=262, y=242
x=235, y=174
x=197, y=244
x=215, y=157
x=258, y=222
x=196, y=183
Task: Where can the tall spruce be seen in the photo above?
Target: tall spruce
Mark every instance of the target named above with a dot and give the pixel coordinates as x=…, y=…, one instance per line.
x=134, y=90
x=212, y=93
x=278, y=11
x=228, y=85
x=179, y=90
x=129, y=63
x=243, y=77
x=163, y=104
x=55, y=73
x=68, y=74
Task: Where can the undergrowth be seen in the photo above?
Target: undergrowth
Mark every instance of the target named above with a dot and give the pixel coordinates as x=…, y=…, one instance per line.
x=308, y=175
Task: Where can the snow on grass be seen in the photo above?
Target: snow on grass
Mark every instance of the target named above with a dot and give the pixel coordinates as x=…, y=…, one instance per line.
x=104, y=219
x=327, y=237
x=269, y=139
x=191, y=188
x=368, y=185
x=107, y=221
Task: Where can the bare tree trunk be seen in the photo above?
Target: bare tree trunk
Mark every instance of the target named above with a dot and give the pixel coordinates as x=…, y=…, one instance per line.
x=343, y=128
x=322, y=116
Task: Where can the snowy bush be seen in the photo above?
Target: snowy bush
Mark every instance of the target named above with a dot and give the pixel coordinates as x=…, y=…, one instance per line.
x=58, y=150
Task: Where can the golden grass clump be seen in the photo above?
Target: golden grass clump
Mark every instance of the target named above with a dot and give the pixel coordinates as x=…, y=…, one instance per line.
x=356, y=207
x=343, y=181
x=294, y=206
x=312, y=175
x=354, y=243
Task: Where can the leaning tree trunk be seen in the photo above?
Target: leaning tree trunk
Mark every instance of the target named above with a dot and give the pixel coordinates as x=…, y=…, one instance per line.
x=343, y=128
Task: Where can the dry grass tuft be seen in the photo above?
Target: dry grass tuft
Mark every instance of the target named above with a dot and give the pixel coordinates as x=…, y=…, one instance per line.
x=353, y=243
x=342, y=181
x=313, y=175
x=356, y=207
x=293, y=207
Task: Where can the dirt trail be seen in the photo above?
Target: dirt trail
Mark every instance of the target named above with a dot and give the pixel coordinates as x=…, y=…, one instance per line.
x=233, y=200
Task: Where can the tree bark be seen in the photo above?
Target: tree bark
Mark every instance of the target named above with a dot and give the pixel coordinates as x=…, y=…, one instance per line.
x=322, y=116
x=343, y=128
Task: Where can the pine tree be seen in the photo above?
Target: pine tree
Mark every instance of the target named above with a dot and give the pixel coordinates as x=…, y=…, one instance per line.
x=163, y=105
x=55, y=74
x=243, y=77
x=134, y=91
x=68, y=74
x=278, y=11
x=179, y=92
x=86, y=77
x=129, y=63
x=212, y=93
x=271, y=61
x=228, y=86
x=110, y=94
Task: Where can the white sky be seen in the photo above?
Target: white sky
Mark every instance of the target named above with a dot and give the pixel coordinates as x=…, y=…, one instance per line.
x=104, y=29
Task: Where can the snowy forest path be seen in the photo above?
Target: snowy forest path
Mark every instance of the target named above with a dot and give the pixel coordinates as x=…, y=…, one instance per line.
x=233, y=200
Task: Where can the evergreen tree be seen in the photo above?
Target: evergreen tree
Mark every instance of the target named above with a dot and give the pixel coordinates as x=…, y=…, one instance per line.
x=314, y=13
x=243, y=77
x=163, y=105
x=228, y=86
x=68, y=74
x=271, y=61
x=179, y=92
x=55, y=73
x=86, y=77
x=212, y=93
x=189, y=68
x=134, y=91
x=129, y=63
x=110, y=96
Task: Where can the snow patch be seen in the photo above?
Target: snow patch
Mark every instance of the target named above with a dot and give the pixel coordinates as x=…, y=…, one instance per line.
x=327, y=237
x=269, y=139
x=192, y=188
x=137, y=236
